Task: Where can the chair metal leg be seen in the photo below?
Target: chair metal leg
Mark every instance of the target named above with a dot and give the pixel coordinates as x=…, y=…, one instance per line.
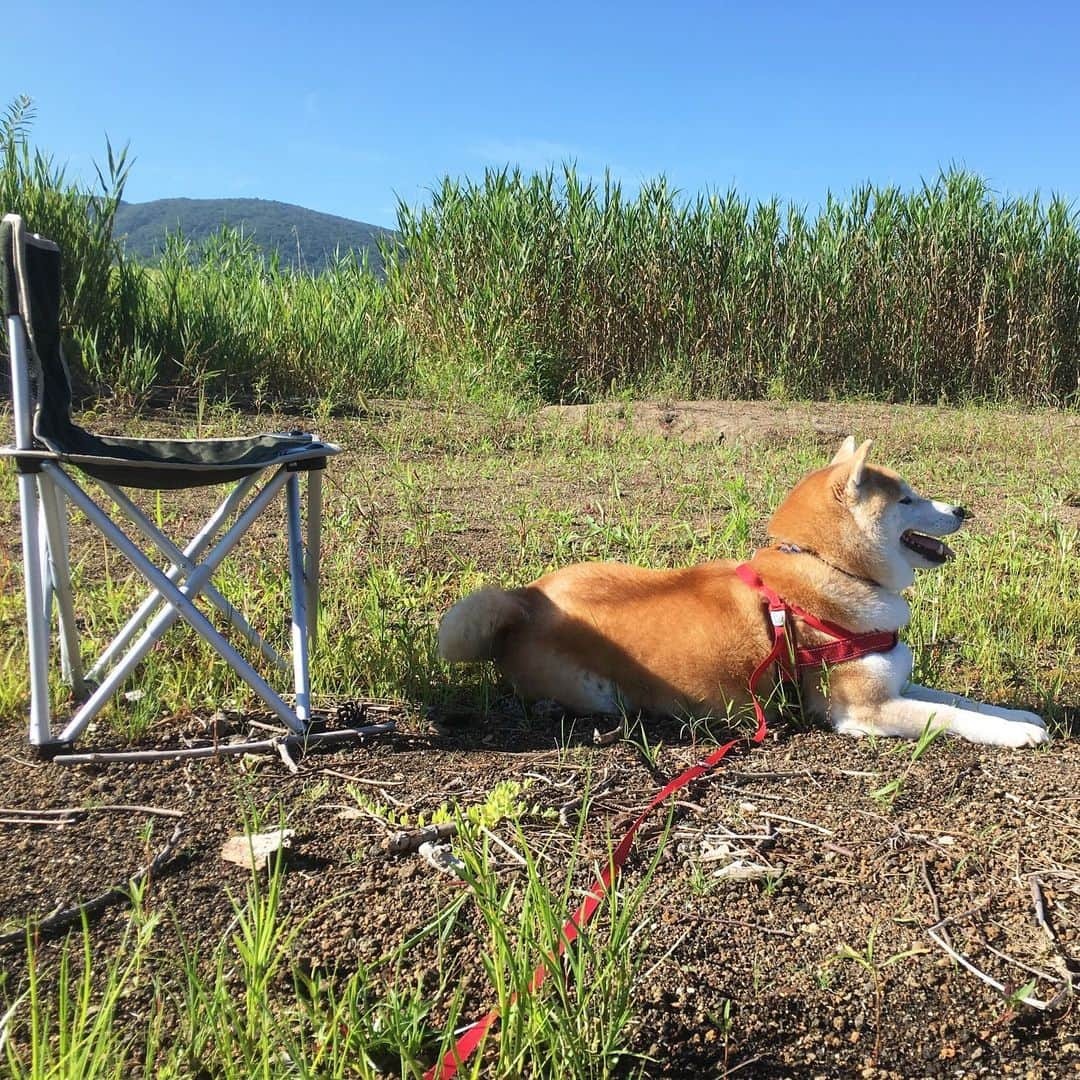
x=301, y=674
x=43, y=558
x=179, y=604
x=186, y=567
x=201, y=541
x=54, y=514
x=314, y=549
x=37, y=627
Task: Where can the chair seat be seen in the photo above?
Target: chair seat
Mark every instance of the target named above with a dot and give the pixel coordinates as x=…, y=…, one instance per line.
x=162, y=464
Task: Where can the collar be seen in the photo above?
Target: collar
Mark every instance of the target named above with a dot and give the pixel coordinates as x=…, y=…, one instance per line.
x=794, y=549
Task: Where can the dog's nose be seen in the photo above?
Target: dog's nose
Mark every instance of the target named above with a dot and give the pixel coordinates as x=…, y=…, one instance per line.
x=961, y=513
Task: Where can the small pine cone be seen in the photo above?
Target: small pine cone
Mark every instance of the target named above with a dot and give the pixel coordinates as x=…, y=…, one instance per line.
x=350, y=714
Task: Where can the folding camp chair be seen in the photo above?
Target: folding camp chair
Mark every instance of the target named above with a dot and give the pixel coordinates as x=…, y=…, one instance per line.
x=49, y=448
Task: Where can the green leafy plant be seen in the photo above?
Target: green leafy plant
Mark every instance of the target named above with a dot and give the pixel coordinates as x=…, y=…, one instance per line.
x=875, y=966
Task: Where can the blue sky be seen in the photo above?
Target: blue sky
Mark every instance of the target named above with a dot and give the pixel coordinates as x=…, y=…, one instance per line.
x=343, y=107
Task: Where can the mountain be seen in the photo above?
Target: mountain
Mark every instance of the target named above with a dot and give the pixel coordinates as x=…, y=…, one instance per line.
x=303, y=237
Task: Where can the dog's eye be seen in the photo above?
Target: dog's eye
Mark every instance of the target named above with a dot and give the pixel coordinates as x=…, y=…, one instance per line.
x=906, y=499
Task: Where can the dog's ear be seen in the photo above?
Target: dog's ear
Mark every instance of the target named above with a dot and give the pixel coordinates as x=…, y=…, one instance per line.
x=858, y=464
x=847, y=448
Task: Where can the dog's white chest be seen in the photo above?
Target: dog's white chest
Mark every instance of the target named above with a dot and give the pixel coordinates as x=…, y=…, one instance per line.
x=891, y=670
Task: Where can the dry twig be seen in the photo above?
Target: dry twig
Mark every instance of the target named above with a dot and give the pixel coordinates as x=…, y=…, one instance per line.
x=314, y=738
x=66, y=916
x=411, y=839
x=964, y=962
x=59, y=819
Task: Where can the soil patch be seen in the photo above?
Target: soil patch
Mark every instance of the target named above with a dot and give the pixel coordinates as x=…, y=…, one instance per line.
x=968, y=831
x=754, y=421
x=866, y=848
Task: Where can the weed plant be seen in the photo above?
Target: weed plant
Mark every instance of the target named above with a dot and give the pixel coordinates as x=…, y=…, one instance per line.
x=556, y=287
x=246, y=1007
x=567, y=288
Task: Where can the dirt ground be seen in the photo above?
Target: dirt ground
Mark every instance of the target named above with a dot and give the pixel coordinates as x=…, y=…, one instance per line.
x=983, y=844
x=970, y=832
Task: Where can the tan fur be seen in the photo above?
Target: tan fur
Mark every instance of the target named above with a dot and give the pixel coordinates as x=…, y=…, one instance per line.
x=600, y=637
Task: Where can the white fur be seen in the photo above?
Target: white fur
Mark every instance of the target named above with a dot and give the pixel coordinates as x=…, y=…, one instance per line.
x=907, y=717
x=878, y=608
x=887, y=703
x=467, y=631
x=601, y=695
x=899, y=709
x=883, y=531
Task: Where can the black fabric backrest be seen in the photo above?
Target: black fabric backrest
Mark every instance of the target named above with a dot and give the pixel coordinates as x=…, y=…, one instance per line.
x=30, y=285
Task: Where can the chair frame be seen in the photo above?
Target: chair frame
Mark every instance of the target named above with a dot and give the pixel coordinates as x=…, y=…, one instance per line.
x=45, y=491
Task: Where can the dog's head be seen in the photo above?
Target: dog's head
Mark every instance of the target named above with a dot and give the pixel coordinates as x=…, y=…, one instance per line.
x=866, y=520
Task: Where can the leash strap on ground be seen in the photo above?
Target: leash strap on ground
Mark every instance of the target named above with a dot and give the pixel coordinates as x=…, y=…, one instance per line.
x=474, y=1035
x=789, y=657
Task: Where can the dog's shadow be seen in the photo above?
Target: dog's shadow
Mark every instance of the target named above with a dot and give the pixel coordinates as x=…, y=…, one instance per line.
x=511, y=726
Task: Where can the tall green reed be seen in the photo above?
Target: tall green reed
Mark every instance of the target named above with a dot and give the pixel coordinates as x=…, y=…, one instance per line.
x=78, y=218
x=220, y=314
x=554, y=286
x=567, y=287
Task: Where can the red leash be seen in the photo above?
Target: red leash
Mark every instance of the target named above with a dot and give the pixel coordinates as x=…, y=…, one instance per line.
x=847, y=646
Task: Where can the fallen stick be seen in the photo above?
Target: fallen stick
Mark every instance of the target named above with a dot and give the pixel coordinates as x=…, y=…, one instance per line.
x=72, y=811
x=1037, y=900
x=362, y=779
x=286, y=757
x=91, y=907
x=742, y=1065
x=315, y=738
x=1043, y=919
x=56, y=823
x=964, y=962
x=933, y=895
x=663, y=959
x=515, y=855
x=411, y=839
x=1020, y=963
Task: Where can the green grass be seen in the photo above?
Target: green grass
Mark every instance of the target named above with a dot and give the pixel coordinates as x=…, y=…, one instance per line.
x=516, y=289
x=564, y=288
x=425, y=508
x=551, y=287
x=241, y=1008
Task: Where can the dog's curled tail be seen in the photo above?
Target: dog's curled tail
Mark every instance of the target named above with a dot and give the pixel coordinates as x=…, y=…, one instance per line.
x=469, y=629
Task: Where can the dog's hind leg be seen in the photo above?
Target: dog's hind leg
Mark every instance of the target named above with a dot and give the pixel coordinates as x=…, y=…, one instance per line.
x=549, y=677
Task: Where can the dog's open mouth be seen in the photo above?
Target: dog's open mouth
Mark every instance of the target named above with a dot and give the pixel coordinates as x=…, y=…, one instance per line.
x=928, y=547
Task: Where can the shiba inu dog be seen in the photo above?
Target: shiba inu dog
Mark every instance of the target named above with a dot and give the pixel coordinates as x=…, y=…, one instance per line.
x=609, y=638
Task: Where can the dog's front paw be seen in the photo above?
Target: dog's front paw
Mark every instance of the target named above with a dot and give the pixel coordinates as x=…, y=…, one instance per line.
x=1016, y=733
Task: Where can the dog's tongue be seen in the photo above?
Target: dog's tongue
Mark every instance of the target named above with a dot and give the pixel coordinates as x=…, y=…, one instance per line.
x=928, y=545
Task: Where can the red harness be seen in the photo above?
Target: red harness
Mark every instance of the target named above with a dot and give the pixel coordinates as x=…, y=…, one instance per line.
x=791, y=657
